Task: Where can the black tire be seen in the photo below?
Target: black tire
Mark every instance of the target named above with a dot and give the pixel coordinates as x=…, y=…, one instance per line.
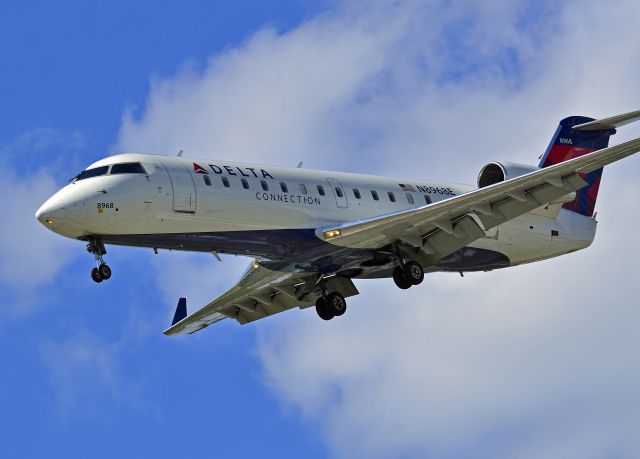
x=336, y=304
x=413, y=272
x=95, y=275
x=105, y=271
x=400, y=279
x=323, y=310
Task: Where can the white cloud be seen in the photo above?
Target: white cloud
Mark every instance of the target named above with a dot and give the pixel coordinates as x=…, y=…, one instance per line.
x=30, y=256
x=535, y=361
x=251, y=101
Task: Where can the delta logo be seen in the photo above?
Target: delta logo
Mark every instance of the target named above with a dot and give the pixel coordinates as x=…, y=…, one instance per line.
x=198, y=169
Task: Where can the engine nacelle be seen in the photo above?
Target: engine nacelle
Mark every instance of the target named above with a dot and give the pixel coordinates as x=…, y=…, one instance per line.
x=496, y=172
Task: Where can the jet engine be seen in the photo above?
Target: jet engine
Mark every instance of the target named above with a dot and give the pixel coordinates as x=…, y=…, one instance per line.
x=496, y=172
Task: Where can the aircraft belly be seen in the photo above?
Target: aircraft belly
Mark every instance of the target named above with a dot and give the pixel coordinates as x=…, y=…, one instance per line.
x=533, y=238
x=300, y=247
x=297, y=249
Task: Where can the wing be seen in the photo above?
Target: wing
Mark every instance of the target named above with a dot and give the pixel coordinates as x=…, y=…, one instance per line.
x=441, y=228
x=260, y=292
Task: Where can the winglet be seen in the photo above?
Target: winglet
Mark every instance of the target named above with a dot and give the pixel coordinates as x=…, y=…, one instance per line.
x=181, y=311
x=612, y=122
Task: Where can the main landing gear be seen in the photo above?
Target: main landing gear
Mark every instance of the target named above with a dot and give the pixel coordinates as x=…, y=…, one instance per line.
x=102, y=271
x=408, y=274
x=330, y=306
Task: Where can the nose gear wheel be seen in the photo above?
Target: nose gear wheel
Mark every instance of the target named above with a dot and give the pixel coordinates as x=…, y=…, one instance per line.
x=105, y=271
x=95, y=275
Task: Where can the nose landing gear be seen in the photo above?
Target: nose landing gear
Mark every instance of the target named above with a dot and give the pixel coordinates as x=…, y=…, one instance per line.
x=102, y=271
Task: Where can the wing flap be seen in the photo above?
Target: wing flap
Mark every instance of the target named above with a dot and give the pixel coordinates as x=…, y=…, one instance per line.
x=249, y=299
x=465, y=231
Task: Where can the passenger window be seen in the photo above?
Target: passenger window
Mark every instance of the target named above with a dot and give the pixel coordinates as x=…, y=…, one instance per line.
x=427, y=199
x=392, y=197
x=409, y=198
x=245, y=184
x=339, y=192
x=207, y=180
x=265, y=187
x=127, y=168
x=320, y=190
x=303, y=189
x=283, y=187
x=225, y=181
x=356, y=193
x=374, y=194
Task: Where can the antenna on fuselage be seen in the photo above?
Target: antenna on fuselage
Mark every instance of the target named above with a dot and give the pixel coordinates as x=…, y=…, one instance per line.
x=180, y=154
x=300, y=164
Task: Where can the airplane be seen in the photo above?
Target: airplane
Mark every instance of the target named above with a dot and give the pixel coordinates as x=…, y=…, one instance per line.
x=312, y=232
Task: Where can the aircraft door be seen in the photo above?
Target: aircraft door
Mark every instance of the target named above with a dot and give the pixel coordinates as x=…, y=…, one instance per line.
x=339, y=193
x=184, y=190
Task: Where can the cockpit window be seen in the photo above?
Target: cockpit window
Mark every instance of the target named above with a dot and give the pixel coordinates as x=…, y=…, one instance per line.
x=128, y=168
x=95, y=172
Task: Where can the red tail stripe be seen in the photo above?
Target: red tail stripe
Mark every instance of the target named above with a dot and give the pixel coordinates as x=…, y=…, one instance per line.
x=561, y=153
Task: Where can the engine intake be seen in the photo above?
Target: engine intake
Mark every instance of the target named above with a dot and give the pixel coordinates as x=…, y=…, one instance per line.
x=497, y=172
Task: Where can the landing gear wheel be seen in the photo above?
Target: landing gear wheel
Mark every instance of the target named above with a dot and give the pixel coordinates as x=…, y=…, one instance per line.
x=105, y=271
x=102, y=271
x=400, y=279
x=336, y=304
x=323, y=311
x=413, y=272
x=96, y=276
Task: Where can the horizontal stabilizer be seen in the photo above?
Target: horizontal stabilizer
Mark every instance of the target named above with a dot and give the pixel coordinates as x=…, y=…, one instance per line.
x=181, y=311
x=612, y=122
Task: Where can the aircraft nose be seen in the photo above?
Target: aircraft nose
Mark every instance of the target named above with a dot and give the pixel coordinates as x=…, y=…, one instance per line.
x=50, y=215
x=64, y=212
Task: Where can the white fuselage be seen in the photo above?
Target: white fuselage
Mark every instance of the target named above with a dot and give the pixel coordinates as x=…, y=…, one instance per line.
x=211, y=205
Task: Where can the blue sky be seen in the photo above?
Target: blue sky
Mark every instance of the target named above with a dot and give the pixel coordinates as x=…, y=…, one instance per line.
x=465, y=367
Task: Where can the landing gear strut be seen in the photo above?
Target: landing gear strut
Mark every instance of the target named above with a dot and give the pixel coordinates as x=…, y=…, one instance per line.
x=102, y=271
